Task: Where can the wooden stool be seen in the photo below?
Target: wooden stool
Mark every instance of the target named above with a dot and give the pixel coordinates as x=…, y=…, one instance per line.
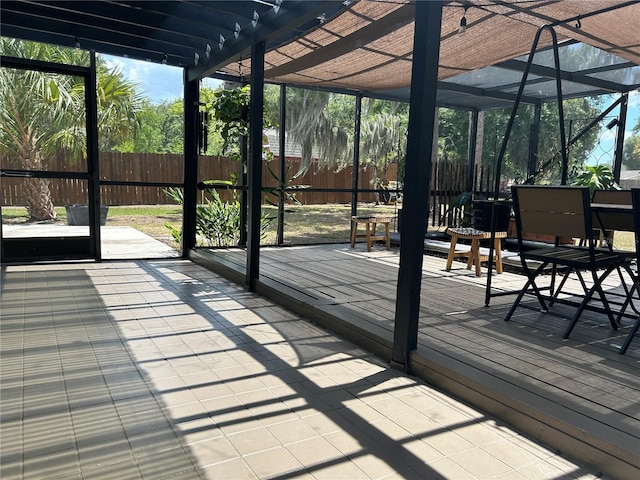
x=474, y=254
x=370, y=230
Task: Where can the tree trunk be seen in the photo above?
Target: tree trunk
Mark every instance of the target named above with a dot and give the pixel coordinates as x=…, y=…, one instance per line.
x=479, y=147
x=38, y=196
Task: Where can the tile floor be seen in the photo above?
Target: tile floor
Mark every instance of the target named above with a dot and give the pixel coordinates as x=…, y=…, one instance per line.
x=162, y=369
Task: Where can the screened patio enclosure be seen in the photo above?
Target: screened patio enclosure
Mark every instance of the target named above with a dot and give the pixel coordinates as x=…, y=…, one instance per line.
x=407, y=51
x=374, y=48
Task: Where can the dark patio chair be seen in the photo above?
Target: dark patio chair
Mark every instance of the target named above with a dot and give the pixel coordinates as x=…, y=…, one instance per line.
x=561, y=212
x=611, y=221
x=635, y=199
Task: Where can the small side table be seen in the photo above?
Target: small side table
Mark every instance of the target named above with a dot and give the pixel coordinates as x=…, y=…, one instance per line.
x=370, y=234
x=474, y=254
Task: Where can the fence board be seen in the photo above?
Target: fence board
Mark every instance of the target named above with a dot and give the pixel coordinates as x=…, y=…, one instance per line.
x=447, y=181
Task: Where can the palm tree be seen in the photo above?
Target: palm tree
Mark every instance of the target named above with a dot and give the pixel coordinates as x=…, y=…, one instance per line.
x=43, y=115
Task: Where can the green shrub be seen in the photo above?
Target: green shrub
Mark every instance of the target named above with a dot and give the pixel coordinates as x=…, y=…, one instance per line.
x=217, y=222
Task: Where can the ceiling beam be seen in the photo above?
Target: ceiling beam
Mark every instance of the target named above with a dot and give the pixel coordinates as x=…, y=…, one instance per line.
x=483, y=92
x=358, y=39
x=269, y=26
x=550, y=73
x=90, y=37
x=167, y=26
x=86, y=44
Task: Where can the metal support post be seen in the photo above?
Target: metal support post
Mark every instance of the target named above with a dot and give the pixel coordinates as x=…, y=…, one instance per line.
x=281, y=155
x=93, y=163
x=191, y=108
x=254, y=166
x=424, y=83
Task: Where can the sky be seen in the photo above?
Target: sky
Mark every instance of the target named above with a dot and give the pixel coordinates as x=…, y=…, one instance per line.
x=158, y=82
x=163, y=82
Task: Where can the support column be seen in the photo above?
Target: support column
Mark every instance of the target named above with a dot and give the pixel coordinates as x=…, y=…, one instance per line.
x=191, y=107
x=254, y=165
x=622, y=122
x=424, y=83
x=281, y=155
x=242, y=238
x=93, y=163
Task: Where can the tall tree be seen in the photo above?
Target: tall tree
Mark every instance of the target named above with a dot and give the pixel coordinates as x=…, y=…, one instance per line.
x=43, y=115
x=578, y=114
x=453, y=135
x=382, y=137
x=160, y=129
x=311, y=124
x=631, y=150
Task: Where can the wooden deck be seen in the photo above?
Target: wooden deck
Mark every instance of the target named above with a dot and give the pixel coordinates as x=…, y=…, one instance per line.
x=577, y=395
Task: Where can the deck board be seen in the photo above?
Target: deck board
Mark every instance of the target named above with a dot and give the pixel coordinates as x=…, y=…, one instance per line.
x=588, y=391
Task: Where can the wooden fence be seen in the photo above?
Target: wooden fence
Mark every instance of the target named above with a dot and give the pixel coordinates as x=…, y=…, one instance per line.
x=447, y=181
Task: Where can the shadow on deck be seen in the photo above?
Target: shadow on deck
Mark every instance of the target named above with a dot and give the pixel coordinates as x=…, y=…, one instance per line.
x=578, y=396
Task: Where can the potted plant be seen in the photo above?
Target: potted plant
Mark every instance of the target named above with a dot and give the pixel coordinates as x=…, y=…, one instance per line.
x=78, y=214
x=597, y=177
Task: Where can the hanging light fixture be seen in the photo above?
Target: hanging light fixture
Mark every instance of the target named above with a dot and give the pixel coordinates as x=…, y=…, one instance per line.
x=612, y=124
x=165, y=59
x=463, y=20
x=77, y=44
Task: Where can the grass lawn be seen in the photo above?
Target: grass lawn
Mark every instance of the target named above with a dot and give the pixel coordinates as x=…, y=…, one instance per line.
x=320, y=223
x=304, y=224
x=149, y=219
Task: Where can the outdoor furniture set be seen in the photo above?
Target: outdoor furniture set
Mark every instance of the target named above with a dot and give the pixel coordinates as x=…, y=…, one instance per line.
x=569, y=211
x=560, y=213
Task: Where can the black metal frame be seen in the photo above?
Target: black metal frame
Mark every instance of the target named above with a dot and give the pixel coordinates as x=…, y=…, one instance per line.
x=503, y=148
x=424, y=79
x=61, y=248
x=191, y=150
x=254, y=166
